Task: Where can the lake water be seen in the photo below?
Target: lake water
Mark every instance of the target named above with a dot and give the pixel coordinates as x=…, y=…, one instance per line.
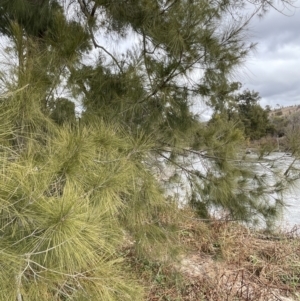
x=291, y=214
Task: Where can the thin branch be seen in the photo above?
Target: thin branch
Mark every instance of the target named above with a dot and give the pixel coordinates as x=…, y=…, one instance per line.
x=93, y=10
x=8, y=94
x=90, y=15
x=145, y=59
x=188, y=171
x=164, y=82
x=168, y=7
x=84, y=9
x=106, y=51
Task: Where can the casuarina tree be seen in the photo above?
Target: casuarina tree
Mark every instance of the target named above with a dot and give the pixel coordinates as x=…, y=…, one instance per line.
x=98, y=123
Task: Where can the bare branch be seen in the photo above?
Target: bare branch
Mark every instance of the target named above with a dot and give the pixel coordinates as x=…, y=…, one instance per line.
x=106, y=51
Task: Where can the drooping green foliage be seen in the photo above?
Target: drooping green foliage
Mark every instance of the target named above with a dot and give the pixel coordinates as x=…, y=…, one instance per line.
x=92, y=139
x=66, y=203
x=149, y=88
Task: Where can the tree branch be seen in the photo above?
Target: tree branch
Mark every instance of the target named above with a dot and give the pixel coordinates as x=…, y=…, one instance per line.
x=96, y=45
x=90, y=15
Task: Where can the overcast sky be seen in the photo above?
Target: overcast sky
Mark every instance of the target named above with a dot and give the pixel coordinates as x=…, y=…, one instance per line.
x=274, y=69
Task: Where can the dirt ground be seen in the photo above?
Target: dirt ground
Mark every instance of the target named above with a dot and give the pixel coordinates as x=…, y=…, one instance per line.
x=224, y=261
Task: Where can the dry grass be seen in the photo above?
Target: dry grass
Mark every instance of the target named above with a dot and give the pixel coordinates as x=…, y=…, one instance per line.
x=226, y=261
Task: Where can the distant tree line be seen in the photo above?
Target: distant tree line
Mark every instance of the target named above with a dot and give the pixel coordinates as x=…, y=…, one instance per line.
x=248, y=115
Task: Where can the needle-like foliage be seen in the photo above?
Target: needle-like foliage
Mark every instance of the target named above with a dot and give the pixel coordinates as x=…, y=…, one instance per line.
x=91, y=140
x=67, y=201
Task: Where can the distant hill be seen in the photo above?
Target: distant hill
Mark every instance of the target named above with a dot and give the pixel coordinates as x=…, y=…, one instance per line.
x=285, y=120
x=284, y=111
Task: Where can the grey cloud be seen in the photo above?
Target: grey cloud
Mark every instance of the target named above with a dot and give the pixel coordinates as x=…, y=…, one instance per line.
x=276, y=27
x=274, y=69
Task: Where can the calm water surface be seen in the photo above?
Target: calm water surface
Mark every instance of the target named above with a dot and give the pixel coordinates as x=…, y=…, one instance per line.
x=291, y=214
